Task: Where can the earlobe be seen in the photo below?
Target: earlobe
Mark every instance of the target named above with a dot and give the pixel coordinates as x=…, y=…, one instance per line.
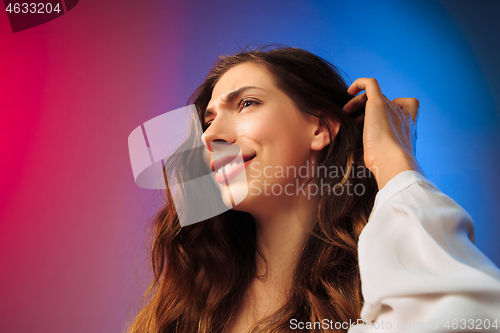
x=321, y=136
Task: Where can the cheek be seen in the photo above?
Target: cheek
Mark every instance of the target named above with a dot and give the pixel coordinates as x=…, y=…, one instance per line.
x=280, y=135
x=282, y=145
x=289, y=140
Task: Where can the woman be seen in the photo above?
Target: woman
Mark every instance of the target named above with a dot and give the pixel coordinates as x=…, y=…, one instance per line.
x=286, y=257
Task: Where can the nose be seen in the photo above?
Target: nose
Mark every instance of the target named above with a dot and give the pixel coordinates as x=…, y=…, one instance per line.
x=220, y=130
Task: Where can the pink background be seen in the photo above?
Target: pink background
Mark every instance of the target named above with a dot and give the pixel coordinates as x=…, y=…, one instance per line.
x=72, y=220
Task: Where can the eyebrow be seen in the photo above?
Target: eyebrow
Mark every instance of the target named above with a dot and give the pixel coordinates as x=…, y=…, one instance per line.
x=229, y=97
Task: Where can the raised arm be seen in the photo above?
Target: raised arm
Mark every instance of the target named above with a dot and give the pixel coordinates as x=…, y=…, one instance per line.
x=419, y=267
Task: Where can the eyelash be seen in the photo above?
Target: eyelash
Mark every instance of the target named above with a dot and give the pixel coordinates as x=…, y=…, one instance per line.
x=240, y=108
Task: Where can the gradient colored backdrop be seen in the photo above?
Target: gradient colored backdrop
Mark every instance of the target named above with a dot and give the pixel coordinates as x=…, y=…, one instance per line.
x=72, y=221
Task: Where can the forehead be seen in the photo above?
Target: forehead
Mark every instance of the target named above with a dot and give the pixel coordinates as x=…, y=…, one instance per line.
x=245, y=74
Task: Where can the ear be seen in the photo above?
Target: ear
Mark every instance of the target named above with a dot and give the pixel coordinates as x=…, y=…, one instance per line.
x=321, y=135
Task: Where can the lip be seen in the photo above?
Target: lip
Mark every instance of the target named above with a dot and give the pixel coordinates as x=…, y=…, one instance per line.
x=226, y=176
x=228, y=159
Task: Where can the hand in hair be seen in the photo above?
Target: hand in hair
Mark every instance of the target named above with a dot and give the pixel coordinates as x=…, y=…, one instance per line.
x=389, y=132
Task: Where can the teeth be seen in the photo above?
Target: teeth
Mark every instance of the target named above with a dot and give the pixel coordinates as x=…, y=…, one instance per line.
x=228, y=167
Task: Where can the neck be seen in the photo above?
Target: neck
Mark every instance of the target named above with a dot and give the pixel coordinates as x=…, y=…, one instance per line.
x=282, y=233
x=283, y=227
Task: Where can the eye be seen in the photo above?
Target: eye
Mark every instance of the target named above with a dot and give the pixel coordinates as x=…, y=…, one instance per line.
x=246, y=103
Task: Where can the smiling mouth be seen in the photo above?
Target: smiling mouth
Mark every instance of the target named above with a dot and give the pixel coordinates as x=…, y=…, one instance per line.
x=230, y=166
x=230, y=170
x=227, y=162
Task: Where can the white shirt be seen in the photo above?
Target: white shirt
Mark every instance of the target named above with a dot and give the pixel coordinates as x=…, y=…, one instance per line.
x=419, y=267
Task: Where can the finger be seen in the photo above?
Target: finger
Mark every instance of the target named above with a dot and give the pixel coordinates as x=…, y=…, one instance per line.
x=370, y=85
x=356, y=103
x=408, y=104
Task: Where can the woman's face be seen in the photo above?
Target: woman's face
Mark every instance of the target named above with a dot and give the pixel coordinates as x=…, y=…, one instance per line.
x=248, y=110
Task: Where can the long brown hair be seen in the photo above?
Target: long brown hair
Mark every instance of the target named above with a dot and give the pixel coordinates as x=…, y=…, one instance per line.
x=201, y=271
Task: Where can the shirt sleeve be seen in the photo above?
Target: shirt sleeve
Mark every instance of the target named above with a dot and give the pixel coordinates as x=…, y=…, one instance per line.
x=419, y=267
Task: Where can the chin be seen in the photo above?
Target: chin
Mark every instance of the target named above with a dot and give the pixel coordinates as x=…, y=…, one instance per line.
x=234, y=193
